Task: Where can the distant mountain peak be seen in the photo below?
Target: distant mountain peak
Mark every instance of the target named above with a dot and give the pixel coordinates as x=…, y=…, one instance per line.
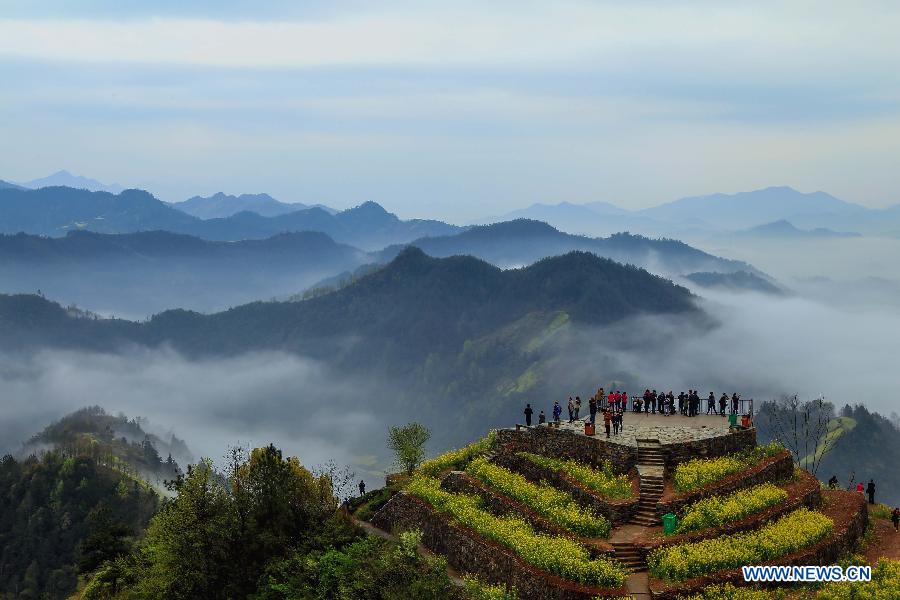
x=64, y=178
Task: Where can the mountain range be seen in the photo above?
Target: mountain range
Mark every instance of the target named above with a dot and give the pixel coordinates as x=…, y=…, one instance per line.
x=523, y=241
x=53, y=211
x=784, y=229
x=442, y=334
x=698, y=216
x=66, y=179
x=138, y=274
x=221, y=205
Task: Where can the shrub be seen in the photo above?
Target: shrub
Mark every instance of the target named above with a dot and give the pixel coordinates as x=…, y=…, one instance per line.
x=880, y=511
x=792, y=532
x=555, y=505
x=479, y=590
x=885, y=584
x=560, y=556
x=718, y=510
x=605, y=482
x=458, y=459
x=729, y=592
x=695, y=474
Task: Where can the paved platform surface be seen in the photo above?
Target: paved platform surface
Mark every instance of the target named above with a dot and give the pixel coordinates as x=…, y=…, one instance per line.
x=667, y=429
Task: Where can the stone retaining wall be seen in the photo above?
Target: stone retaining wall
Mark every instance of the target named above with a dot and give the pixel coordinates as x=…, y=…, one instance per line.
x=774, y=468
x=805, y=493
x=727, y=443
x=615, y=511
x=849, y=529
x=470, y=553
x=562, y=443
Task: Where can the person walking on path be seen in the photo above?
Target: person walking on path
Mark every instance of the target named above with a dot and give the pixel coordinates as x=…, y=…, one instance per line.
x=711, y=403
x=895, y=518
x=557, y=411
x=870, y=490
x=571, y=407
x=606, y=420
x=362, y=487
x=528, y=413
x=577, y=407
x=592, y=408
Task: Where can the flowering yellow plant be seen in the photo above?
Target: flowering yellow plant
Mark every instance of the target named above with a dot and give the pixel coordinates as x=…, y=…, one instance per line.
x=790, y=533
x=718, y=510
x=459, y=458
x=604, y=481
x=694, y=474
x=555, y=505
x=558, y=555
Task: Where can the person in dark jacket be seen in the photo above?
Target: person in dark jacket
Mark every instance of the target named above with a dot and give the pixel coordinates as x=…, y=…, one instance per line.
x=833, y=482
x=528, y=412
x=592, y=408
x=711, y=403
x=735, y=401
x=557, y=410
x=571, y=408
x=895, y=518
x=542, y=418
x=870, y=490
x=362, y=487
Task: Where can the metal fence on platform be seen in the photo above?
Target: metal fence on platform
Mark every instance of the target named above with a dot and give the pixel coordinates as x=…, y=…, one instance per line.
x=634, y=403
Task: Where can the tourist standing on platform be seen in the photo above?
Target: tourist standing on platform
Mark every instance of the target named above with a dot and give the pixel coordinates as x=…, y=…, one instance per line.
x=557, y=411
x=653, y=402
x=577, y=407
x=859, y=488
x=611, y=400
x=542, y=418
x=711, y=403
x=723, y=401
x=735, y=401
x=606, y=420
x=681, y=402
x=528, y=413
x=592, y=408
x=870, y=490
x=615, y=422
x=571, y=408
x=600, y=396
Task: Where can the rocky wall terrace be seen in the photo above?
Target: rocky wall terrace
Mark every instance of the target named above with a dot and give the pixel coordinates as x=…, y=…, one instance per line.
x=468, y=552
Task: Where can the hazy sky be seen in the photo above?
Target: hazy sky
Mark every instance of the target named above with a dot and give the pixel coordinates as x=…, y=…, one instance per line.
x=455, y=109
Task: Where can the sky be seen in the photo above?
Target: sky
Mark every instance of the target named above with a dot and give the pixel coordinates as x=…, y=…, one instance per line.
x=455, y=110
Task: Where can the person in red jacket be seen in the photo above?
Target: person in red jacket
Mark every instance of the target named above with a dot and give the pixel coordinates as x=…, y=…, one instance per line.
x=860, y=488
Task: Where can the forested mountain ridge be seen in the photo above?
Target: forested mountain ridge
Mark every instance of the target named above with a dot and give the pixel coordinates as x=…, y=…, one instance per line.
x=415, y=303
x=524, y=241
x=78, y=496
x=55, y=210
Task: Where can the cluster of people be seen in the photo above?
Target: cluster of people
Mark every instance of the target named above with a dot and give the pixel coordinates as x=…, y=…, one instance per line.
x=613, y=405
x=868, y=490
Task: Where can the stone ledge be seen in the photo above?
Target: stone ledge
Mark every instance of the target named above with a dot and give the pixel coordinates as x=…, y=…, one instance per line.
x=468, y=552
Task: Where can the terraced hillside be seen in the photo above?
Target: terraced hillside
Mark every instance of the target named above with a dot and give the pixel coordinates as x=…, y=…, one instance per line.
x=555, y=513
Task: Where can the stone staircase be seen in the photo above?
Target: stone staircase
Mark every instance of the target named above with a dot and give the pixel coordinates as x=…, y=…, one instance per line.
x=627, y=554
x=651, y=466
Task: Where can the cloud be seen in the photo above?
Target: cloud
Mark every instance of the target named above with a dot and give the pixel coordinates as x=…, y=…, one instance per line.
x=251, y=399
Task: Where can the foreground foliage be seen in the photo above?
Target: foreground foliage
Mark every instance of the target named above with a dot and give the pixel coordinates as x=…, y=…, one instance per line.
x=700, y=472
x=792, y=532
x=458, y=459
x=479, y=590
x=719, y=510
x=604, y=481
x=555, y=505
x=557, y=555
x=61, y=515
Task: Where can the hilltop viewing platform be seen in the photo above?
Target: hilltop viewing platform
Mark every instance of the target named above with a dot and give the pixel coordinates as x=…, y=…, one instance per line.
x=620, y=512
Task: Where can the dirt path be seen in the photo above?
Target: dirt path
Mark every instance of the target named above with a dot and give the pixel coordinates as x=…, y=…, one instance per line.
x=885, y=543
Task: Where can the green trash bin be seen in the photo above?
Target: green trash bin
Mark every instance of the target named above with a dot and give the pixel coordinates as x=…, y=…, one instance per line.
x=732, y=420
x=670, y=523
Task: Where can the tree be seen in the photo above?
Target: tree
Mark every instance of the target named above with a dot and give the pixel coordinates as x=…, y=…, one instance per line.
x=803, y=428
x=408, y=445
